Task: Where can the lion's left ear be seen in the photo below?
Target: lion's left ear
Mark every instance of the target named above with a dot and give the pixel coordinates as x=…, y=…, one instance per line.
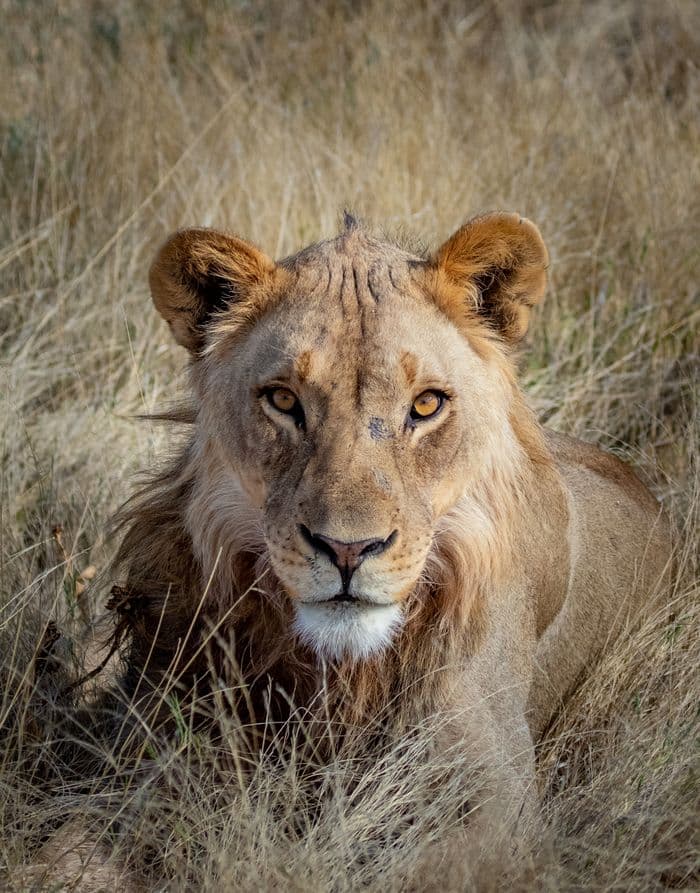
x=498, y=264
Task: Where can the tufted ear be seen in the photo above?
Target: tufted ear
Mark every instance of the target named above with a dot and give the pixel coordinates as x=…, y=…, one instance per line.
x=200, y=271
x=497, y=263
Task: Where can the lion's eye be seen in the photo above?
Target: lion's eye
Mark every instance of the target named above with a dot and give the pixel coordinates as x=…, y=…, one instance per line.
x=427, y=404
x=283, y=400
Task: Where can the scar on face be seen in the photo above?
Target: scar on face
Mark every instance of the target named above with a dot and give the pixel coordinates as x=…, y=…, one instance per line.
x=378, y=429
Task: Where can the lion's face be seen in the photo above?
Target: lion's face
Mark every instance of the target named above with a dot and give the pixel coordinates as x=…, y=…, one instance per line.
x=354, y=413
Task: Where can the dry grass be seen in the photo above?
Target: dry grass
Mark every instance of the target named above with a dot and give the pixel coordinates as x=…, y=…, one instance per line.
x=117, y=125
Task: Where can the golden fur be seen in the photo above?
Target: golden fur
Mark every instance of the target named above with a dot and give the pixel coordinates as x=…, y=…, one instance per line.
x=510, y=555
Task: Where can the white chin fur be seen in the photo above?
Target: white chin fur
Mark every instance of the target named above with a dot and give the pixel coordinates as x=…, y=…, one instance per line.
x=337, y=630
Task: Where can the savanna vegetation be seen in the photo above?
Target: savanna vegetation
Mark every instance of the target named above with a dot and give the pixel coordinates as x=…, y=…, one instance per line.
x=120, y=122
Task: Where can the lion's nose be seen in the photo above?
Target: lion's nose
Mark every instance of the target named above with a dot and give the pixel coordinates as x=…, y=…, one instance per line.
x=347, y=557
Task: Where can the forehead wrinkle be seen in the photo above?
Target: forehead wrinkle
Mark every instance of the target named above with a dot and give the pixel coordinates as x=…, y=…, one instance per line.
x=374, y=280
x=343, y=287
x=366, y=297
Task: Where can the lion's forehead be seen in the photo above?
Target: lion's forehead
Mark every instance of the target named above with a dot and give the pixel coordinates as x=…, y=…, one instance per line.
x=371, y=356
x=351, y=277
x=354, y=307
x=378, y=266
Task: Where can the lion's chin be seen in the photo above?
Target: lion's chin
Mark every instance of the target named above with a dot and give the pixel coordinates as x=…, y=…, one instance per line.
x=346, y=629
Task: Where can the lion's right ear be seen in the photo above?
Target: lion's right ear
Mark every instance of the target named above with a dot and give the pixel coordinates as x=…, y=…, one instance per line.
x=200, y=271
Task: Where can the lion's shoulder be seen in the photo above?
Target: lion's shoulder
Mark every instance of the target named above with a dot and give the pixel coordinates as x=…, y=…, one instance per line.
x=578, y=454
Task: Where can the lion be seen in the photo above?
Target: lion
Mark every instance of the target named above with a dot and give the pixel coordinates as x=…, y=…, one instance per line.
x=366, y=508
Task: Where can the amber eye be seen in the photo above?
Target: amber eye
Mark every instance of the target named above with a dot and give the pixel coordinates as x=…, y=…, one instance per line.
x=286, y=402
x=282, y=399
x=427, y=404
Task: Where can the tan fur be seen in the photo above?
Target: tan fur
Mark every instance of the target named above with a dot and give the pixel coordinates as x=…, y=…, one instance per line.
x=515, y=555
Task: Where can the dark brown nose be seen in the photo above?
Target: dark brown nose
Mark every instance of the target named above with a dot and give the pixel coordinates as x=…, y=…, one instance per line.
x=347, y=557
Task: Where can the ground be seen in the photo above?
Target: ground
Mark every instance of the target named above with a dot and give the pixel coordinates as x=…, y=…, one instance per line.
x=119, y=124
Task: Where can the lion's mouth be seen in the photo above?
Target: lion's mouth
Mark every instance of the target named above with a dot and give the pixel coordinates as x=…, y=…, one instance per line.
x=344, y=598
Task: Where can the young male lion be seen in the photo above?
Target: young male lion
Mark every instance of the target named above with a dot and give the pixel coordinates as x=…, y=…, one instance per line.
x=367, y=510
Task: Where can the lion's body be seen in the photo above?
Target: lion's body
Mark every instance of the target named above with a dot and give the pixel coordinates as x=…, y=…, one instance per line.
x=617, y=549
x=502, y=558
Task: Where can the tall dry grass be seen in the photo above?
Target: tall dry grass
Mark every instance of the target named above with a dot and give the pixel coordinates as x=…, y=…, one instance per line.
x=119, y=123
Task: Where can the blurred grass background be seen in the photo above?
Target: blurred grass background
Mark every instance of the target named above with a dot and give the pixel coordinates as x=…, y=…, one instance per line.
x=122, y=121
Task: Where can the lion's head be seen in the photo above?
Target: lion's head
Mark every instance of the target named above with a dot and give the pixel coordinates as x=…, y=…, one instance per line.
x=349, y=398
